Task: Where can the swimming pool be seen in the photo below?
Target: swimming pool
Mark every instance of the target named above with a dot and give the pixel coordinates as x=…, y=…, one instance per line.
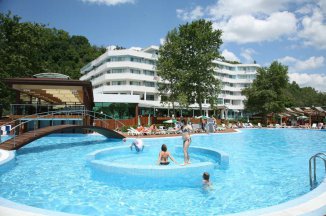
x=267, y=167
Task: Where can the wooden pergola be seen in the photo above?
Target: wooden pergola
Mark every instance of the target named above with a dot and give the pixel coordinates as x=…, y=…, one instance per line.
x=53, y=90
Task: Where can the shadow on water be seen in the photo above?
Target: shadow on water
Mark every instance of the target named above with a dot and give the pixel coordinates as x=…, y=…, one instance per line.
x=38, y=149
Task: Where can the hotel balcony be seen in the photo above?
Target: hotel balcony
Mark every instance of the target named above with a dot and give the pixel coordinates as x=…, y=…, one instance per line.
x=125, y=88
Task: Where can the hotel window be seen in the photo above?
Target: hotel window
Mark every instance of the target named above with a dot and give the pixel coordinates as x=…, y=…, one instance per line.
x=118, y=82
x=148, y=72
x=134, y=59
x=134, y=71
x=149, y=84
x=118, y=70
x=232, y=76
x=220, y=101
x=136, y=83
x=150, y=97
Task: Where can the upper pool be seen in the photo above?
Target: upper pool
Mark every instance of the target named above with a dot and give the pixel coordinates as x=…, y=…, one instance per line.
x=266, y=167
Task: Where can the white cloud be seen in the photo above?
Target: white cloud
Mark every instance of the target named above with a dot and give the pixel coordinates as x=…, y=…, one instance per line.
x=247, y=55
x=193, y=14
x=109, y=2
x=247, y=29
x=229, y=55
x=322, y=5
x=296, y=65
x=228, y=8
x=314, y=30
x=316, y=81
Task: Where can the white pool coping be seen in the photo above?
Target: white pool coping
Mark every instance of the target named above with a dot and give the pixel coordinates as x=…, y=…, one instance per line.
x=312, y=203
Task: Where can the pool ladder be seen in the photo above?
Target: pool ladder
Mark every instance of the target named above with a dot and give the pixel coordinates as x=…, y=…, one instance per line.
x=312, y=168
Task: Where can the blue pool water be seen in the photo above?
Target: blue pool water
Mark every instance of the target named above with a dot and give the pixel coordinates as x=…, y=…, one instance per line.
x=267, y=167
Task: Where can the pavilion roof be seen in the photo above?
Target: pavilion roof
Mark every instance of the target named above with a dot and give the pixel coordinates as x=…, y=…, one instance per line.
x=55, y=90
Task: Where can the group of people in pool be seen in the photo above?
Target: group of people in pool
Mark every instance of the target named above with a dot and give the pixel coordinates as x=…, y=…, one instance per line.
x=164, y=155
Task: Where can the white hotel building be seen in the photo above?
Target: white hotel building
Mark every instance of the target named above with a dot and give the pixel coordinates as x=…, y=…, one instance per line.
x=129, y=76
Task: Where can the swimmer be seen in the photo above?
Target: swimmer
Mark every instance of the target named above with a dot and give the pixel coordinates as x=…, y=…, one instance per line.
x=164, y=155
x=138, y=144
x=206, y=182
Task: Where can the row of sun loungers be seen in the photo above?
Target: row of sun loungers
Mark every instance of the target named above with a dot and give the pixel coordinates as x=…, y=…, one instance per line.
x=170, y=130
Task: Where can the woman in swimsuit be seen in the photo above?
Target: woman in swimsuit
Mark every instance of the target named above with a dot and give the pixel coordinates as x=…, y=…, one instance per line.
x=186, y=143
x=164, y=155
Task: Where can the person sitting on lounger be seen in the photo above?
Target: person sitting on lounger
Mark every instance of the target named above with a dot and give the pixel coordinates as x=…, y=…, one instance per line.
x=164, y=155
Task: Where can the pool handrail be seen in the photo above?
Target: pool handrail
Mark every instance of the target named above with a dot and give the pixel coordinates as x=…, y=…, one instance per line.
x=312, y=168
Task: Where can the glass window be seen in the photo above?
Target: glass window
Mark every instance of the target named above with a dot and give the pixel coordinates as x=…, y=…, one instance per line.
x=118, y=82
x=150, y=97
x=148, y=72
x=118, y=70
x=149, y=84
x=135, y=83
x=220, y=101
x=135, y=71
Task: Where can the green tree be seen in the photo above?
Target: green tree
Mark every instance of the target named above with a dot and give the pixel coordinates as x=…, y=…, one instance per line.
x=168, y=69
x=186, y=63
x=304, y=97
x=267, y=92
x=29, y=48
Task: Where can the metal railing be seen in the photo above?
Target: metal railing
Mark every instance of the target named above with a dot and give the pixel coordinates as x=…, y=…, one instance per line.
x=81, y=114
x=28, y=109
x=312, y=169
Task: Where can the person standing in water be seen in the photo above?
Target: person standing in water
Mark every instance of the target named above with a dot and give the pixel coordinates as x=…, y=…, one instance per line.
x=186, y=142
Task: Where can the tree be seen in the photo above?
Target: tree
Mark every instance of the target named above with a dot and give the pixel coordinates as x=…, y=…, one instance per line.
x=29, y=48
x=267, y=92
x=168, y=68
x=304, y=97
x=186, y=65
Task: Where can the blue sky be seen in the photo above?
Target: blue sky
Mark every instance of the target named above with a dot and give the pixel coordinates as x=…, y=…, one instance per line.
x=290, y=31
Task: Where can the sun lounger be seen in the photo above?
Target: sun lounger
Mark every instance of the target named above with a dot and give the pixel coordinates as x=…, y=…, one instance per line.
x=134, y=132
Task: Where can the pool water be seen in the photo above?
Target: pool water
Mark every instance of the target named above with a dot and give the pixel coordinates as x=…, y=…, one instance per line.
x=149, y=156
x=267, y=167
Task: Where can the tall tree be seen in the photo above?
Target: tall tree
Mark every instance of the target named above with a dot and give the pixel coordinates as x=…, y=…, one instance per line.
x=267, y=92
x=186, y=63
x=168, y=69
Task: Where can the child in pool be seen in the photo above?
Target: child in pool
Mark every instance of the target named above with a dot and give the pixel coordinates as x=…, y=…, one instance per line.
x=164, y=155
x=206, y=182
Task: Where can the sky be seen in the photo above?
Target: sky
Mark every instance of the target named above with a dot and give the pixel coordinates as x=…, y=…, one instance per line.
x=292, y=32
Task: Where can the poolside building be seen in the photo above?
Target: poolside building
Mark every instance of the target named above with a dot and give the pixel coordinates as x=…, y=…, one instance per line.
x=126, y=79
x=47, y=95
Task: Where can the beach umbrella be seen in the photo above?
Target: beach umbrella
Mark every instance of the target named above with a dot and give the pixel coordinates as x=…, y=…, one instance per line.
x=302, y=117
x=170, y=121
x=149, y=120
x=139, y=123
x=203, y=117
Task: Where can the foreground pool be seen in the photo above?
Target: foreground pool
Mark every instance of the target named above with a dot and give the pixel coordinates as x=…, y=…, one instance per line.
x=266, y=167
